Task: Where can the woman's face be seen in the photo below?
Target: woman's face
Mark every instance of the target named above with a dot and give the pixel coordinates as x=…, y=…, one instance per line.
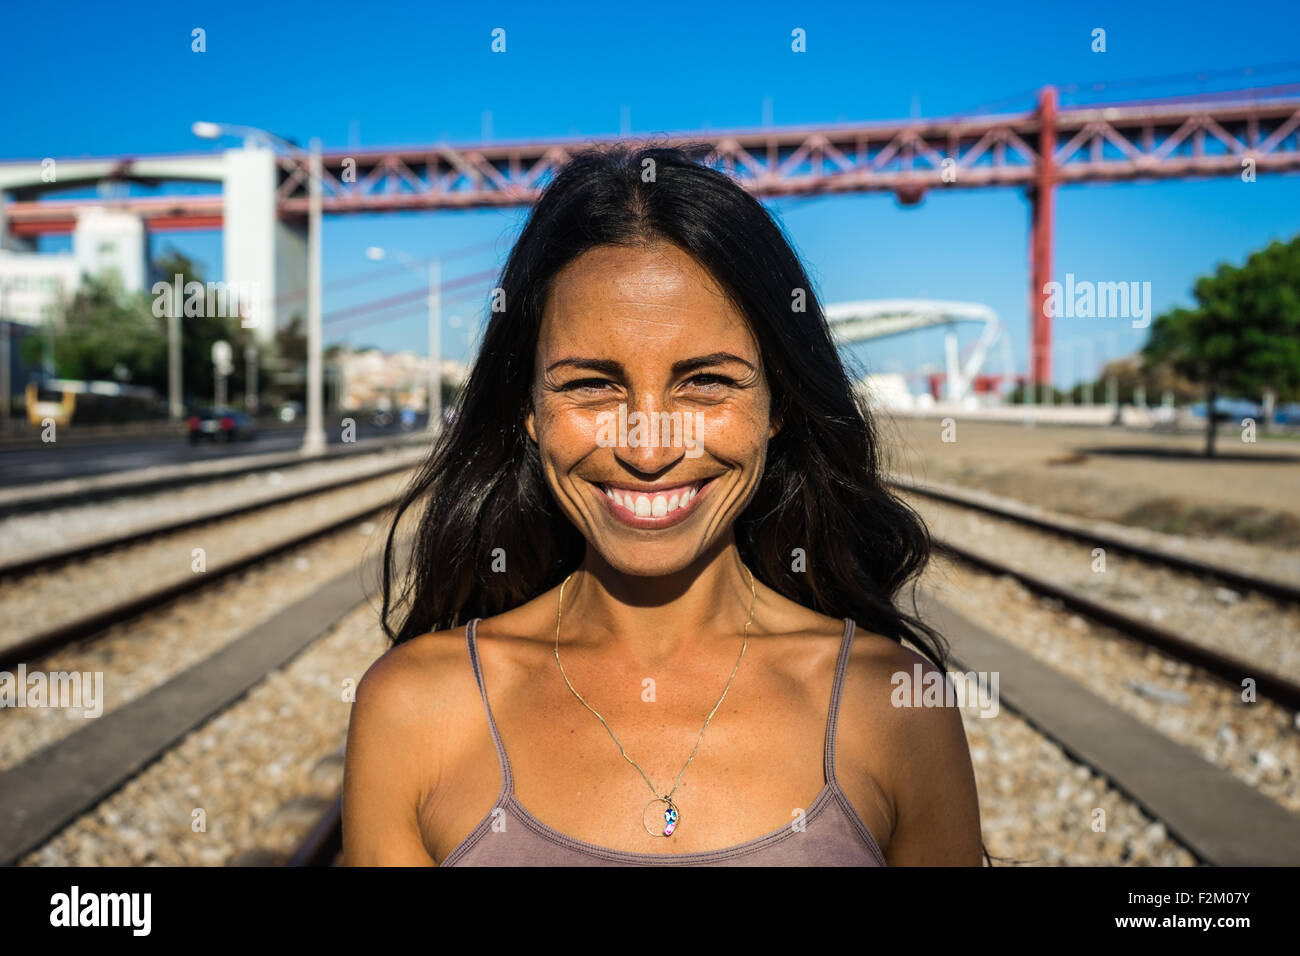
x=650, y=408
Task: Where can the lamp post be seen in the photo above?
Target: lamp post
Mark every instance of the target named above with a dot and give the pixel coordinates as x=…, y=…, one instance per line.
x=250, y=379
x=376, y=253
x=175, y=399
x=313, y=440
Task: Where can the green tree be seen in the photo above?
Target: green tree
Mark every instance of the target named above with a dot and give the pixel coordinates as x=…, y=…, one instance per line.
x=200, y=331
x=104, y=334
x=1155, y=379
x=288, y=364
x=1037, y=394
x=1243, y=336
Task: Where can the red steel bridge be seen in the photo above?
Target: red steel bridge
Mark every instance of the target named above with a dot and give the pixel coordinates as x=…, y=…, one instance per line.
x=1175, y=138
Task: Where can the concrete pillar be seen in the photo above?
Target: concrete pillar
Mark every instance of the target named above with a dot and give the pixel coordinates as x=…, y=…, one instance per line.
x=290, y=273
x=265, y=259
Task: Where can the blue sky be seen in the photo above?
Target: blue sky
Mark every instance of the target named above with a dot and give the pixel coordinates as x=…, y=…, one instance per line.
x=81, y=79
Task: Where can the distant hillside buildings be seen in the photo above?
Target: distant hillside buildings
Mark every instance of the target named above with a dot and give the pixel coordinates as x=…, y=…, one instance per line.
x=373, y=379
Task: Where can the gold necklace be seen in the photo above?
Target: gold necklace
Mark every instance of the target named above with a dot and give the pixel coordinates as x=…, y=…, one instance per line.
x=671, y=814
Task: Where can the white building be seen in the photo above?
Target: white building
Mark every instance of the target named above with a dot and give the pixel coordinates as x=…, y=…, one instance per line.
x=112, y=242
x=106, y=242
x=32, y=285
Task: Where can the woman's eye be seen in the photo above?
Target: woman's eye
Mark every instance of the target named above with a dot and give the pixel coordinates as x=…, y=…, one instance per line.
x=710, y=382
x=588, y=384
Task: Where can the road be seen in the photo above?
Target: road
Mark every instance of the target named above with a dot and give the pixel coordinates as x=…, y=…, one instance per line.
x=31, y=463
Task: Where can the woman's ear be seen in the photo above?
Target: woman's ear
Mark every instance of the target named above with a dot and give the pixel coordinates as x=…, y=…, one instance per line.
x=775, y=426
x=529, y=426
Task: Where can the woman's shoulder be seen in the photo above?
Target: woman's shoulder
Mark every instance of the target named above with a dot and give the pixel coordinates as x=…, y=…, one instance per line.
x=436, y=666
x=406, y=726
x=877, y=667
x=875, y=656
x=419, y=679
x=913, y=745
x=900, y=740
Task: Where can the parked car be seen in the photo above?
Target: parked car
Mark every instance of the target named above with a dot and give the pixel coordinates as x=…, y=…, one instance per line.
x=1287, y=414
x=221, y=424
x=1229, y=409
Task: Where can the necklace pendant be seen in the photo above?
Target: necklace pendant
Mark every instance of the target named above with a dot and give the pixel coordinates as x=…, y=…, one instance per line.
x=671, y=816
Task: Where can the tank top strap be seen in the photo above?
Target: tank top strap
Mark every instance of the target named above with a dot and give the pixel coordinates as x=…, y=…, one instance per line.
x=507, y=779
x=837, y=689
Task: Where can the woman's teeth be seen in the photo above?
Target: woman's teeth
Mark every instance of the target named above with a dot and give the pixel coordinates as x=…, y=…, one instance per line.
x=652, y=506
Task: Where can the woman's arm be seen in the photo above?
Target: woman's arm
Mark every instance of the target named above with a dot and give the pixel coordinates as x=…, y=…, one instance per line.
x=938, y=821
x=383, y=777
x=923, y=764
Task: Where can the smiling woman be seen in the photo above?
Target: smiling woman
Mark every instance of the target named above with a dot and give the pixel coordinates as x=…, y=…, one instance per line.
x=670, y=651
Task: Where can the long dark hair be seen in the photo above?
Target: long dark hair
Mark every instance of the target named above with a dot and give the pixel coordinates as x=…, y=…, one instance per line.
x=491, y=536
x=822, y=528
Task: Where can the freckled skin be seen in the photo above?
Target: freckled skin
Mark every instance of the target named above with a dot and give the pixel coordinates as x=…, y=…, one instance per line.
x=646, y=308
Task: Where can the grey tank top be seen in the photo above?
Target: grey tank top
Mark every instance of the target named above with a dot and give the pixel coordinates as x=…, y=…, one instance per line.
x=831, y=832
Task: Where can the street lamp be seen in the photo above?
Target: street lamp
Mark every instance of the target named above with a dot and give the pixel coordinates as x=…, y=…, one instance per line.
x=376, y=253
x=205, y=130
x=313, y=440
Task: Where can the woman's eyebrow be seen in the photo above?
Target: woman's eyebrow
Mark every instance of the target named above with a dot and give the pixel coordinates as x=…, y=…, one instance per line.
x=611, y=367
x=713, y=358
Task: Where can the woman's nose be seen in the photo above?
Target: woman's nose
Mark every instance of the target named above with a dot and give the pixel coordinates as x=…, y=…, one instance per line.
x=652, y=440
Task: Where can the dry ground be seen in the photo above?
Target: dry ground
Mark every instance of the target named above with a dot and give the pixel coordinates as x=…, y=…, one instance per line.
x=1151, y=480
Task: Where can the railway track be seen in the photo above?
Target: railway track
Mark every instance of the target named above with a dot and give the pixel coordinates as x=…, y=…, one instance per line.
x=1227, y=667
x=1221, y=819
x=324, y=842
x=52, y=558
x=88, y=625
x=1280, y=590
x=56, y=784
x=44, y=497
x=59, y=783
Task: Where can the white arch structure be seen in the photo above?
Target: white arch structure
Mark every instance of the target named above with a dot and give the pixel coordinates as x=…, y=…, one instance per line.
x=852, y=322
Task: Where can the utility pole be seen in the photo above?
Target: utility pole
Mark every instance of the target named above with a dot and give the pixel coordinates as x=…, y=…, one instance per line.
x=221, y=367
x=1089, y=375
x=433, y=384
x=435, y=345
x=175, y=407
x=313, y=441
x=250, y=379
